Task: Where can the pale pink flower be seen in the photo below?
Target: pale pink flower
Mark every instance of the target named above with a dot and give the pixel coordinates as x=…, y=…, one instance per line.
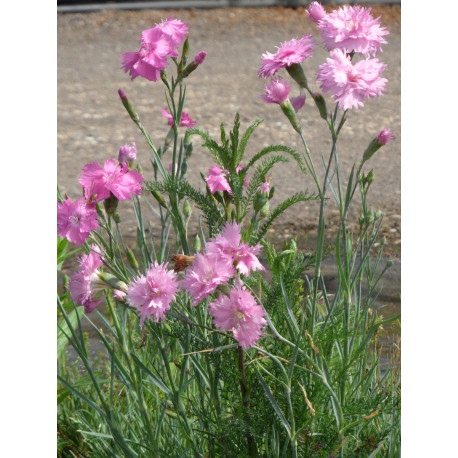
x=185, y=120
x=75, y=220
x=228, y=244
x=316, y=12
x=240, y=314
x=151, y=58
x=112, y=178
x=127, y=153
x=151, y=294
x=205, y=274
x=216, y=180
x=350, y=85
x=174, y=28
x=289, y=53
x=384, y=136
x=200, y=57
x=85, y=286
x=119, y=295
x=276, y=92
x=352, y=28
x=265, y=187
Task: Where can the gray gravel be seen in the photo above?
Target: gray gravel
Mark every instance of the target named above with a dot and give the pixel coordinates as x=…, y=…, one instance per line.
x=92, y=123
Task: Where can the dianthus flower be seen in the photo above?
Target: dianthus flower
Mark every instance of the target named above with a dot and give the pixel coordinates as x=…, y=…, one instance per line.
x=174, y=28
x=185, y=121
x=151, y=294
x=200, y=57
x=112, y=178
x=384, y=136
x=127, y=153
x=352, y=28
x=228, y=244
x=316, y=11
x=277, y=91
x=216, y=180
x=75, y=220
x=205, y=274
x=151, y=58
x=86, y=286
x=265, y=187
x=240, y=314
x=289, y=53
x=349, y=84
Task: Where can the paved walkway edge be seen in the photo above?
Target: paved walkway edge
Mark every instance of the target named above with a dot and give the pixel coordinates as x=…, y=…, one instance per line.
x=186, y=4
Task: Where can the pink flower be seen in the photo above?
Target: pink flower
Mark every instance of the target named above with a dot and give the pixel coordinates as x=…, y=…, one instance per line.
x=265, y=187
x=127, y=153
x=298, y=102
x=240, y=313
x=152, y=294
x=119, y=295
x=228, y=244
x=277, y=91
x=200, y=57
x=216, y=180
x=112, y=178
x=384, y=136
x=185, y=121
x=245, y=177
x=206, y=273
x=352, y=28
x=349, y=84
x=174, y=28
x=85, y=286
x=289, y=53
x=151, y=58
x=316, y=12
x=75, y=220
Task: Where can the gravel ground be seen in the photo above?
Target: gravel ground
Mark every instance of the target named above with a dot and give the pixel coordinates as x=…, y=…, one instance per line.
x=92, y=123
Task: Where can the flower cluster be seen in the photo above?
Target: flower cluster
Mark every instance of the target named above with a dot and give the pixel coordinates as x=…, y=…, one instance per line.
x=225, y=256
x=156, y=45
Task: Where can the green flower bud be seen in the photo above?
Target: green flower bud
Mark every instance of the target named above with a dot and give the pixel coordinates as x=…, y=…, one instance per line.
x=164, y=78
x=161, y=201
x=374, y=146
x=370, y=177
x=383, y=240
x=378, y=214
x=99, y=210
x=288, y=109
x=128, y=106
x=197, y=244
x=361, y=219
x=112, y=281
x=131, y=258
x=111, y=204
x=116, y=217
x=184, y=168
x=264, y=210
x=259, y=201
x=389, y=263
x=297, y=74
x=321, y=105
x=370, y=217
x=139, y=168
x=187, y=209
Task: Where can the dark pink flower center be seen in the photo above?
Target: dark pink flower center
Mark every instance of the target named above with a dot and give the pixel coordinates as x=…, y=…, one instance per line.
x=74, y=219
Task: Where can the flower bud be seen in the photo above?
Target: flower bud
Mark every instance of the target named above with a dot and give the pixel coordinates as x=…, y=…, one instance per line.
x=264, y=210
x=200, y=57
x=370, y=177
x=361, y=219
x=383, y=240
x=128, y=106
x=321, y=105
x=316, y=12
x=99, y=210
x=187, y=209
x=111, y=204
x=197, y=245
x=377, y=214
x=116, y=217
x=272, y=192
x=389, y=262
x=161, y=201
x=185, y=53
x=127, y=153
x=139, y=168
x=131, y=258
x=370, y=217
x=259, y=201
x=164, y=78
x=290, y=113
x=112, y=281
x=184, y=168
x=297, y=74
x=382, y=139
